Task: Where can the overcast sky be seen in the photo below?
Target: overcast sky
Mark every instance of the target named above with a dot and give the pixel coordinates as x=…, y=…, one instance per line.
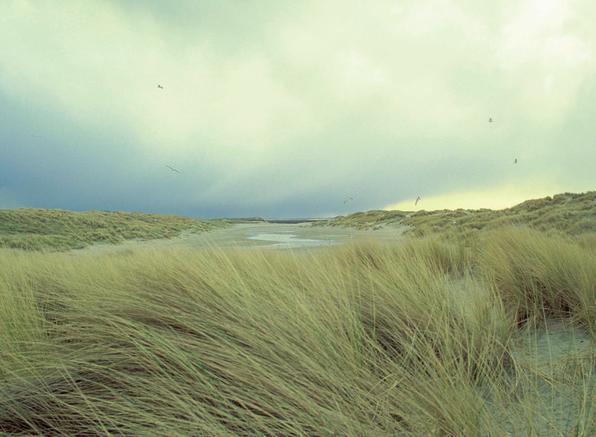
x=288, y=108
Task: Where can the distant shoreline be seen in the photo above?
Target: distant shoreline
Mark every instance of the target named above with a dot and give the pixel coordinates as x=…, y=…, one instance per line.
x=292, y=221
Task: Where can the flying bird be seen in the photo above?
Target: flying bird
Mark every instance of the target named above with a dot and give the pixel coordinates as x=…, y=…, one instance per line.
x=159, y=86
x=417, y=200
x=173, y=169
x=349, y=199
x=515, y=161
x=490, y=120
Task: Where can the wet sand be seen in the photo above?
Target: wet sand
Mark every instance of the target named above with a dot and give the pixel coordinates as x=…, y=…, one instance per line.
x=262, y=235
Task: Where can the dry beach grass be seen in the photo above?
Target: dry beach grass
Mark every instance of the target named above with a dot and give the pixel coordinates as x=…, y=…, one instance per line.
x=429, y=337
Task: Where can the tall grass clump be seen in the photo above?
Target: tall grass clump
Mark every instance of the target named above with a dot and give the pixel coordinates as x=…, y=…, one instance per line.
x=542, y=276
x=363, y=339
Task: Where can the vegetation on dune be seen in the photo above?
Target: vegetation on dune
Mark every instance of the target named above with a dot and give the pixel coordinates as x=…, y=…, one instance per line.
x=567, y=213
x=416, y=339
x=52, y=229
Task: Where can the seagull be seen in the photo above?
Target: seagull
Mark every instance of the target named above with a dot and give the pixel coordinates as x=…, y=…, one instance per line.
x=159, y=86
x=515, y=161
x=173, y=169
x=417, y=200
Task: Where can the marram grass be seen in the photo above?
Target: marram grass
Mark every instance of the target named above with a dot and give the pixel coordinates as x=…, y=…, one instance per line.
x=427, y=338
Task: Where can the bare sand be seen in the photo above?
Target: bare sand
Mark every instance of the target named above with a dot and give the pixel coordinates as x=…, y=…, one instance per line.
x=261, y=235
x=549, y=360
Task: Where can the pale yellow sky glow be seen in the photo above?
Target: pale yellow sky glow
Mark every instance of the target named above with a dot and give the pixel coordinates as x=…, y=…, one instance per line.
x=504, y=196
x=284, y=108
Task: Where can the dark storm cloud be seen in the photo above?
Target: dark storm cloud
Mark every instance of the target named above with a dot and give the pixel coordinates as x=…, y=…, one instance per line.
x=287, y=108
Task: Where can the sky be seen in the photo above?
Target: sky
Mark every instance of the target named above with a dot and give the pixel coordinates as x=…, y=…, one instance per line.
x=281, y=108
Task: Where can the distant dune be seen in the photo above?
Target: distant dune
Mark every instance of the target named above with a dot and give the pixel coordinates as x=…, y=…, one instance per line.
x=54, y=229
x=567, y=213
